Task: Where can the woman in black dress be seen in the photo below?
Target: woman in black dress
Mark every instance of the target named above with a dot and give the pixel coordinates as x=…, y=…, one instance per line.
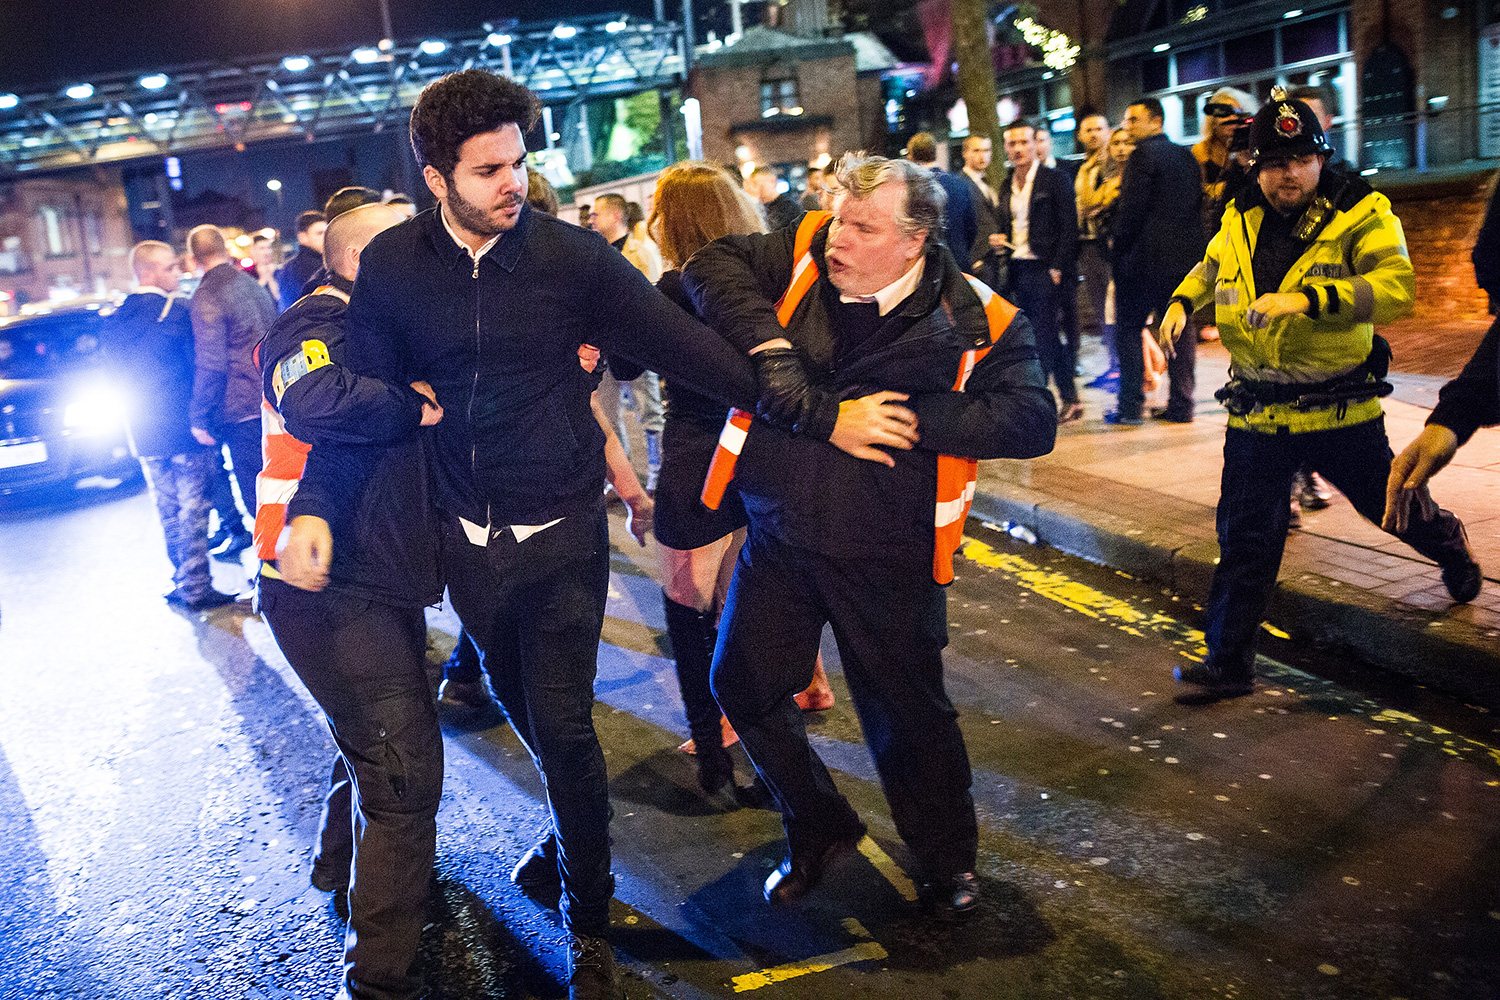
x=695, y=204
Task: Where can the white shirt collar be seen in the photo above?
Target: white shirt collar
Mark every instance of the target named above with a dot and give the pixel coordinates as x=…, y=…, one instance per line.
x=153, y=290
x=473, y=254
x=896, y=292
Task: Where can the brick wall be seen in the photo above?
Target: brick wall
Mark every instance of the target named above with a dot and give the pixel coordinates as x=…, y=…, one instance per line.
x=94, y=230
x=730, y=95
x=1441, y=219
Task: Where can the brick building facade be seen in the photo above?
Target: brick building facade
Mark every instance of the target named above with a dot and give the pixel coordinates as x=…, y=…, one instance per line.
x=62, y=237
x=785, y=101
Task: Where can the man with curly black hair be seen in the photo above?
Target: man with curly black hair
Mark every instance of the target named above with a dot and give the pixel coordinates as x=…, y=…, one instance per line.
x=479, y=296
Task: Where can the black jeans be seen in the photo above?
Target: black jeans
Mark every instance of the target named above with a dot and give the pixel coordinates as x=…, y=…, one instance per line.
x=1253, y=514
x=364, y=664
x=1135, y=299
x=243, y=440
x=1040, y=299
x=540, y=646
x=890, y=621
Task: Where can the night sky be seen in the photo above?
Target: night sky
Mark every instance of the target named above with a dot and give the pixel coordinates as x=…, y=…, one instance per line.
x=47, y=41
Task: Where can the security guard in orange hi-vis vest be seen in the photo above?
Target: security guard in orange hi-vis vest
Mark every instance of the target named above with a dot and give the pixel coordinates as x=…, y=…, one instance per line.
x=350, y=554
x=885, y=374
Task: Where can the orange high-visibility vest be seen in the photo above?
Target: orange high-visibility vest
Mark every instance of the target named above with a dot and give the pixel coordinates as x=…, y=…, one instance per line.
x=283, y=460
x=956, y=475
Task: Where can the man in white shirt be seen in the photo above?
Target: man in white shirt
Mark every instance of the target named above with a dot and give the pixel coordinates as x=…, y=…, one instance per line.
x=1038, y=223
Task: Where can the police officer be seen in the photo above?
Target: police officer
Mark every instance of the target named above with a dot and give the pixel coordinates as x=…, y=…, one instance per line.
x=1308, y=259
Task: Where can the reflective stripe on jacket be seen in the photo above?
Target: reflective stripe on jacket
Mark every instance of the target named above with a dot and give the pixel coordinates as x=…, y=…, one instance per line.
x=1358, y=271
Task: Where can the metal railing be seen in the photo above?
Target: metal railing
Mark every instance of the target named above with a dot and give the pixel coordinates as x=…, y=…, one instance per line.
x=320, y=94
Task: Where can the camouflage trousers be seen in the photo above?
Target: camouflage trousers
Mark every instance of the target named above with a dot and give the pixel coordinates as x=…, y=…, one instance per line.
x=179, y=484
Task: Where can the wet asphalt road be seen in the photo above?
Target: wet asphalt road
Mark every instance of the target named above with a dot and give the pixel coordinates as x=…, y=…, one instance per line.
x=160, y=775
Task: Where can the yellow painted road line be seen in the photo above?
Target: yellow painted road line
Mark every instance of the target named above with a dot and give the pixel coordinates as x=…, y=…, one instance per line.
x=892, y=871
x=865, y=951
x=1087, y=601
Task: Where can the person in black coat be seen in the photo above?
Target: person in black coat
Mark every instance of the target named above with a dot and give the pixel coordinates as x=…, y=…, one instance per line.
x=1043, y=245
x=1156, y=239
x=840, y=494
x=479, y=298
x=983, y=259
x=150, y=340
x=1486, y=253
x=960, y=223
x=291, y=276
x=344, y=598
x=781, y=208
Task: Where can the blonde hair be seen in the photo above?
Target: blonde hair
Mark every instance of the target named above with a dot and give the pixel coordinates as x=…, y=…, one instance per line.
x=696, y=203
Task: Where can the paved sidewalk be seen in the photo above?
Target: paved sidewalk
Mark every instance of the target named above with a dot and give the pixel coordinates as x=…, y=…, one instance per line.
x=1142, y=500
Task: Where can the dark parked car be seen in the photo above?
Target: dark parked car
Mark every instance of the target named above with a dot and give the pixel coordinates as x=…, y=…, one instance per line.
x=62, y=419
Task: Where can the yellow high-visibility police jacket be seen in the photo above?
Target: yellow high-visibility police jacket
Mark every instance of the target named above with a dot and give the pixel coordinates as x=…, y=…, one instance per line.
x=1358, y=273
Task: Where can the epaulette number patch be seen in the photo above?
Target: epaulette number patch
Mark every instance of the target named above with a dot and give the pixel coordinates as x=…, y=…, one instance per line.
x=312, y=356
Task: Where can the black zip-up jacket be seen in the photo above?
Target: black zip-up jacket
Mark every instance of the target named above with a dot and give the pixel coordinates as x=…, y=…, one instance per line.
x=366, y=474
x=498, y=341
x=806, y=492
x=1157, y=235
x=151, y=339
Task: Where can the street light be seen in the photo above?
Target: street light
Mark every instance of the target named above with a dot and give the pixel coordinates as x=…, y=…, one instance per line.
x=296, y=64
x=564, y=31
x=8, y=101
x=80, y=91
x=273, y=184
x=433, y=47
x=155, y=81
x=366, y=56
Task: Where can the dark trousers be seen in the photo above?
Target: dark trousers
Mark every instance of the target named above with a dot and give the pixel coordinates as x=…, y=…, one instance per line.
x=243, y=440
x=1253, y=515
x=1136, y=298
x=890, y=621
x=179, y=485
x=1036, y=295
x=540, y=646
x=364, y=664
x=463, y=665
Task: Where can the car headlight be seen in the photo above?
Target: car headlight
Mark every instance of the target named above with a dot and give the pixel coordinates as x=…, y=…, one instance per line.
x=98, y=409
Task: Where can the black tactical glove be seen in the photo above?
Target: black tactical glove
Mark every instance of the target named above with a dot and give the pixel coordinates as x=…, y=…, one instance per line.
x=783, y=385
x=787, y=399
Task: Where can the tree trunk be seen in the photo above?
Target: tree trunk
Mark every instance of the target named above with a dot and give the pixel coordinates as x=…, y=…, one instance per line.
x=976, y=77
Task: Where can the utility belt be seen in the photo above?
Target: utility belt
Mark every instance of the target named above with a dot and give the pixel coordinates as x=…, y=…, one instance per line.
x=1242, y=396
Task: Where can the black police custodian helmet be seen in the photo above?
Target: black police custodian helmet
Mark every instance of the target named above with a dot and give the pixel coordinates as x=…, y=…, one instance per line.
x=1284, y=127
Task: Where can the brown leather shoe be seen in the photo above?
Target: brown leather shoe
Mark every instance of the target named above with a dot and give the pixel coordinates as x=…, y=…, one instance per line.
x=800, y=874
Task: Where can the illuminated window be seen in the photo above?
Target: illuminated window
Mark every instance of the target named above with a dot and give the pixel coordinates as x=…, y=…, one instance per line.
x=779, y=96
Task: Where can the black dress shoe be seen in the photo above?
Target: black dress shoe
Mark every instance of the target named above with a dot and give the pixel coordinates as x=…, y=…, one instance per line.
x=537, y=869
x=1462, y=577
x=212, y=599
x=953, y=898
x=1167, y=415
x=1209, y=685
x=800, y=874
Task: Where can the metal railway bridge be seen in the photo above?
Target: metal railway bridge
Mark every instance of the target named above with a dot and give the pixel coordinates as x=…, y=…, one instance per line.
x=321, y=94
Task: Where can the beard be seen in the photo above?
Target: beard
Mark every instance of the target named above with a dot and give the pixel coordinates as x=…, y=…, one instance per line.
x=473, y=218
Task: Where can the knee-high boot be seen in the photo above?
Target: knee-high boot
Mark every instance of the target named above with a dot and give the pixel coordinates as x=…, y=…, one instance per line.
x=693, y=638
